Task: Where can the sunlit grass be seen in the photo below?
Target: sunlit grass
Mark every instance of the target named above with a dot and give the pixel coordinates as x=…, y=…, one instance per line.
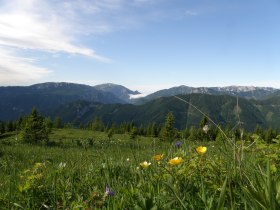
x=86, y=170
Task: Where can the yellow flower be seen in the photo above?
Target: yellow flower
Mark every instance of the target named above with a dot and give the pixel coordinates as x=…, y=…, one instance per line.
x=158, y=157
x=38, y=165
x=145, y=164
x=201, y=150
x=175, y=161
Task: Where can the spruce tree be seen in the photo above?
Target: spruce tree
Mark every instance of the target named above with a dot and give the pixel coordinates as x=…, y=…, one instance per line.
x=168, y=132
x=110, y=133
x=2, y=127
x=57, y=122
x=133, y=133
x=35, y=128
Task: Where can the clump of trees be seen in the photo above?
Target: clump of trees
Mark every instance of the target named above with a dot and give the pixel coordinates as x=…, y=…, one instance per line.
x=35, y=128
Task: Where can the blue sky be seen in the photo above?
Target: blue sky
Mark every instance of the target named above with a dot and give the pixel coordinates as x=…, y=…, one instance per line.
x=145, y=45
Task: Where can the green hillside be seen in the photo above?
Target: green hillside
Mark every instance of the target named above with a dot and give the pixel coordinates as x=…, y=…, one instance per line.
x=221, y=109
x=270, y=109
x=17, y=101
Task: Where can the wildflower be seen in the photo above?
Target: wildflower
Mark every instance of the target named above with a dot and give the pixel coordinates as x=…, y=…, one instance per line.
x=175, y=161
x=39, y=165
x=127, y=159
x=201, y=150
x=109, y=192
x=273, y=168
x=145, y=164
x=26, y=171
x=38, y=176
x=61, y=165
x=158, y=157
x=178, y=144
x=205, y=128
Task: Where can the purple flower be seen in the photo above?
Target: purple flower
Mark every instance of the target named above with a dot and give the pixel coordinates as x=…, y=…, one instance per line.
x=178, y=144
x=109, y=192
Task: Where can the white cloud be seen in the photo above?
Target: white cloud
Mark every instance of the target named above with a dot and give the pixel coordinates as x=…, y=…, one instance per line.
x=46, y=26
x=56, y=27
x=40, y=27
x=141, y=95
x=15, y=69
x=190, y=13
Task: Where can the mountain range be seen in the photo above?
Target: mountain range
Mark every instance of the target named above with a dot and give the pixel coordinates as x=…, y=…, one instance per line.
x=113, y=103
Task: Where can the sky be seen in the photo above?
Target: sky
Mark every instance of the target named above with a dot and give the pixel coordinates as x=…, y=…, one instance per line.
x=144, y=45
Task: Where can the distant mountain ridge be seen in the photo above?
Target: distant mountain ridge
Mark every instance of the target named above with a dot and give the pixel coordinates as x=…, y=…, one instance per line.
x=19, y=100
x=120, y=91
x=248, y=92
x=79, y=103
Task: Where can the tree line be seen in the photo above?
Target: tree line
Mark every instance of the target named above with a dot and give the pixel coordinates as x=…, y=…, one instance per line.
x=34, y=128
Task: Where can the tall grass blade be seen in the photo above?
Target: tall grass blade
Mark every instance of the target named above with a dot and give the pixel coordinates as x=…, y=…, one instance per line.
x=222, y=197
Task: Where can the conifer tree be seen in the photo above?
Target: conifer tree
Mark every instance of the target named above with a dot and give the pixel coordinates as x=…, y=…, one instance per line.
x=35, y=128
x=98, y=125
x=10, y=126
x=193, y=136
x=168, y=132
x=133, y=133
x=57, y=123
x=259, y=131
x=269, y=135
x=110, y=133
x=2, y=127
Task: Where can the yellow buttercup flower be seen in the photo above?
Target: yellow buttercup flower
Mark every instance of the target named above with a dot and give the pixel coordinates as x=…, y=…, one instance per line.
x=201, y=150
x=145, y=164
x=175, y=161
x=158, y=157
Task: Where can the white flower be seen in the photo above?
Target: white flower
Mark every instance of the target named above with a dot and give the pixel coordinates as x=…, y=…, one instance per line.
x=62, y=165
x=205, y=128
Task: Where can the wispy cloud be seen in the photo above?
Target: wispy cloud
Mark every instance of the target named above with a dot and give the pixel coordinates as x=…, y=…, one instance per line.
x=58, y=27
x=15, y=69
x=190, y=13
x=45, y=26
x=37, y=25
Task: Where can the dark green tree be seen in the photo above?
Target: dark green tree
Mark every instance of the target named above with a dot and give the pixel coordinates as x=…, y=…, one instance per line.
x=57, y=123
x=269, y=135
x=203, y=122
x=10, y=126
x=19, y=123
x=2, y=127
x=168, y=132
x=49, y=124
x=110, y=133
x=152, y=129
x=35, y=128
x=97, y=124
x=193, y=135
x=133, y=133
x=186, y=133
x=259, y=131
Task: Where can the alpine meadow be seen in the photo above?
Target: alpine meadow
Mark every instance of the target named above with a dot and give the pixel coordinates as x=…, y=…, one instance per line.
x=179, y=152
x=139, y=105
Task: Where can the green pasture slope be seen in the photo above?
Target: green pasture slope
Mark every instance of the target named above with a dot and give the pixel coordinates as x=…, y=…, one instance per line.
x=83, y=169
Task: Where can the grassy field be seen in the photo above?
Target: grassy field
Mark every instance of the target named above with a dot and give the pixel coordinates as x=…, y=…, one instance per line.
x=85, y=170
